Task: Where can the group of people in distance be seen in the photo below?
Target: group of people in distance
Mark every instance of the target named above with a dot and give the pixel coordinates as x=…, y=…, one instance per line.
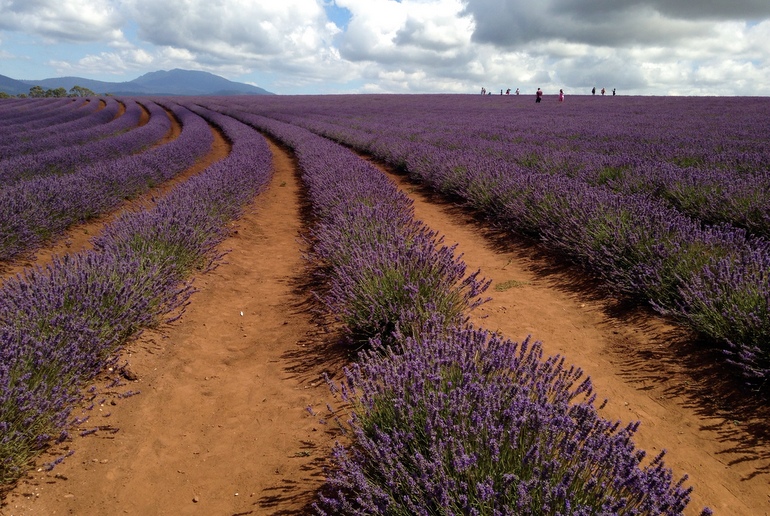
x=507, y=92
x=593, y=91
x=539, y=93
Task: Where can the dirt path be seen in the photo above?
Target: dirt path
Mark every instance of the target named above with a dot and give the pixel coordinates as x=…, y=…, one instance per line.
x=220, y=426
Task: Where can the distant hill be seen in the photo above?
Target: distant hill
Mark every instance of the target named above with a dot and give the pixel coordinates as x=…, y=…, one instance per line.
x=12, y=86
x=172, y=82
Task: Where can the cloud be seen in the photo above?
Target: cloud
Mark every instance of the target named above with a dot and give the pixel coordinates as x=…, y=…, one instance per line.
x=595, y=22
x=232, y=37
x=114, y=63
x=410, y=31
x=63, y=20
x=649, y=46
x=301, y=46
x=411, y=45
x=709, y=9
x=290, y=34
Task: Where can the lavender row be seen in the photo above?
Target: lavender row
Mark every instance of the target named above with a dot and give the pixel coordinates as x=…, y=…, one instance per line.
x=66, y=159
x=45, y=113
x=713, y=196
x=714, y=278
x=61, y=325
x=706, y=157
x=12, y=106
x=189, y=222
x=86, y=112
x=34, y=211
x=78, y=131
x=17, y=111
x=386, y=271
x=28, y=123
x=733, y=189
x=449, y=420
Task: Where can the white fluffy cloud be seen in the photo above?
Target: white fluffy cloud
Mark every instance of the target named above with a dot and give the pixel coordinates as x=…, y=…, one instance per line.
x=64, y=20
x=291, y=37
x=303, y=46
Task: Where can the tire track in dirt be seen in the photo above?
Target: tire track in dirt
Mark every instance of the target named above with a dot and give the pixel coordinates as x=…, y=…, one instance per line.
x=221, y=425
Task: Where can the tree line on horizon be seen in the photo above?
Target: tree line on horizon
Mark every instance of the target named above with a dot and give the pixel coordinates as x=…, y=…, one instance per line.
x=39, y=92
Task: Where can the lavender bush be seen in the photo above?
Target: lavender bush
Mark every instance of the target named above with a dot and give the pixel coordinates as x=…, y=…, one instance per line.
x=729, y=300
x=398, y=284
x=60, y=326
x=460, y=421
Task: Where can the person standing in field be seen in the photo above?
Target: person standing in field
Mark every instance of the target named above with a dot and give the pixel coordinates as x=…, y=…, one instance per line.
x=561, y=95
x=593, y=90
x=613, y=92
x=602, y=91
x=538, y=96
x=517, y=91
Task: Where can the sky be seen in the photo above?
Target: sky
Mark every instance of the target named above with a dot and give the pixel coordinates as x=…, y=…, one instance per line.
x=291, y=47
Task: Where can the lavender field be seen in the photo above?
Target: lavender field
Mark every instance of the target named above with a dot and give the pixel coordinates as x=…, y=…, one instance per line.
x=665, y=200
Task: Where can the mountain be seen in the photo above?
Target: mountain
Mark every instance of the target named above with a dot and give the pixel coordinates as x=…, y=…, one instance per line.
x=188, y=82
x=172, y=82
x=12, y=86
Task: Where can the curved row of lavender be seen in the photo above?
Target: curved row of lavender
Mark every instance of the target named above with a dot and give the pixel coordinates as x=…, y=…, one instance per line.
x=386, y=271
x=17, y=111
x=61, y=325
x=714, y=278
x=34, y=211
x=42, y=113
x=73, y=114
x=18, y=107
x=99, y=124
x=706, y=157
x=448, y=419
x=95, y=115
x=21, y=107
x=66, y=159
